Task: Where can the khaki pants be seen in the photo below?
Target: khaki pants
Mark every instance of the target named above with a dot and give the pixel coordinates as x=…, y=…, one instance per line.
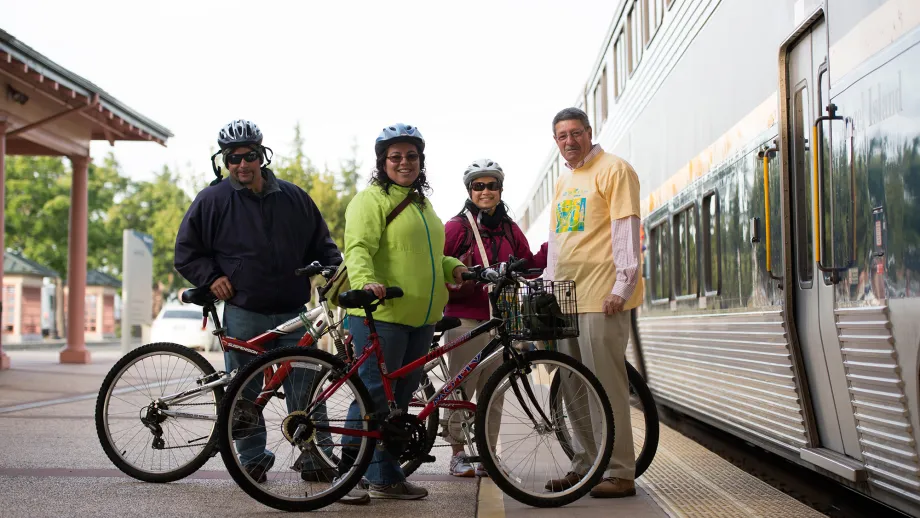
x=472, y=385
x=601, y=347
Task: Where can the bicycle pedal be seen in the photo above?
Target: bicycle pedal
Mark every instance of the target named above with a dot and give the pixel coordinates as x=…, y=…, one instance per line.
x=428, y=458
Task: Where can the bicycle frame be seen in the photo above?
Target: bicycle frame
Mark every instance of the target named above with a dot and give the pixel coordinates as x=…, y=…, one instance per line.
x=311, y=319
x=438, y=401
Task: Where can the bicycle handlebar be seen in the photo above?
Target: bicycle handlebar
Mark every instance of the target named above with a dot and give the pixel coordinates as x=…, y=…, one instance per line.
x=315, y=268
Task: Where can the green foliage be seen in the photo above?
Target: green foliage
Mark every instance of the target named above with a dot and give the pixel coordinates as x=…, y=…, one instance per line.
x=38, y=207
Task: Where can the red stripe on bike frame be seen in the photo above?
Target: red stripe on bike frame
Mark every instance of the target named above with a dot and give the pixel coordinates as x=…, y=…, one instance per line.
x=324, y=395
x=351, y=432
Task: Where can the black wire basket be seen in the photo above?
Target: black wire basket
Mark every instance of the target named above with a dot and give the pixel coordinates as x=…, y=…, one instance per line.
x=540, y=310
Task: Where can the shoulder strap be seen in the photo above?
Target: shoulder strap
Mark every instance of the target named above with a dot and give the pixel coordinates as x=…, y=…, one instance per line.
x=399, y=208
x=482, y=249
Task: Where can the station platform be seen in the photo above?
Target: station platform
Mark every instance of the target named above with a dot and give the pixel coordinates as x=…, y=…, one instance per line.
x=51, y=464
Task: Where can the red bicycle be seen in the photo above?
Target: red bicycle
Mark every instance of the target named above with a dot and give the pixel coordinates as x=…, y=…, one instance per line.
x=515, y=429
x=157, y=407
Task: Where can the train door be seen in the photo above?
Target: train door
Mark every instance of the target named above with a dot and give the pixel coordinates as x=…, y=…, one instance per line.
x=806, y=95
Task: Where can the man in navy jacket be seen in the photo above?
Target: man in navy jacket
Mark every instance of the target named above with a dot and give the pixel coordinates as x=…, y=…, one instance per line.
x=244, y=236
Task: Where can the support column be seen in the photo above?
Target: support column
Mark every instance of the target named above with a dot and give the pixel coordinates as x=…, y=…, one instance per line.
x=4, y=359
x=75, y=351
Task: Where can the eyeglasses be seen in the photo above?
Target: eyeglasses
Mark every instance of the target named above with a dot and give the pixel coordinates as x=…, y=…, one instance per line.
x=252, y=156
x=412, y=157
x=481, y=186
x=562, y=137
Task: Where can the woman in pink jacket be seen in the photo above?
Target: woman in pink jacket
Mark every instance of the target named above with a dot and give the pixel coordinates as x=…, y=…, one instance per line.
x=499, y=238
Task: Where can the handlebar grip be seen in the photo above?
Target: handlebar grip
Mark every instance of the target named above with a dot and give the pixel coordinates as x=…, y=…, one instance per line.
x=517, y=265
x=311, y=270
x=469, y=276
x=533, y=271
x=394, y=293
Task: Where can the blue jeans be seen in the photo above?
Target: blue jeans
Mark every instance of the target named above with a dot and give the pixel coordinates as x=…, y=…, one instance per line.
x=401, y=345
x=245, y=325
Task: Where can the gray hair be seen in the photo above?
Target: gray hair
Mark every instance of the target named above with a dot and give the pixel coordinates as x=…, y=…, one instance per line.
x=569, y=114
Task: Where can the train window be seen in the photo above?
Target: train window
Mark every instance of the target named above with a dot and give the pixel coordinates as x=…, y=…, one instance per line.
x=620, y=72
x=600, y=100
x=634, y=26
x=801, y=135
x=686, y=277
x=712, y=267
x=653, y=14
x=660, y=263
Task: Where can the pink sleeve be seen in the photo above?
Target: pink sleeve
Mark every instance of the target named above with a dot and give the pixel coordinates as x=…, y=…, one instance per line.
x=625, y=237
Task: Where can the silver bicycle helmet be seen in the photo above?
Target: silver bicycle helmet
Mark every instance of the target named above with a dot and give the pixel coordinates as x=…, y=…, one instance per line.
x=481, y=168
x=238, y=133
x=398, y=133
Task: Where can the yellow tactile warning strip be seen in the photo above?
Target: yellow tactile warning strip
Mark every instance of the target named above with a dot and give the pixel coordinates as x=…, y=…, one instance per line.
x=491, y=501
x=687, y=480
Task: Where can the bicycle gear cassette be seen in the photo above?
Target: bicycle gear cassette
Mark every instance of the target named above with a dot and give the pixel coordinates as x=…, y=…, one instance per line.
x=298, y=428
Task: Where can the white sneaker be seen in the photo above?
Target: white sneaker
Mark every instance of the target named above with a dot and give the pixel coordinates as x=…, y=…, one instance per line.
x=481, y=470
x=460, y=466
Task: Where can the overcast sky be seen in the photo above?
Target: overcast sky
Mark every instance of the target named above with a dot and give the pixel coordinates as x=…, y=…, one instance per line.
x=479, y=78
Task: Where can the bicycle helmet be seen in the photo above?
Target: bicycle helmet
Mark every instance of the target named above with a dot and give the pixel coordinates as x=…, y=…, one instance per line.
x=238, y=133
x=480, y=168
x=398, y=132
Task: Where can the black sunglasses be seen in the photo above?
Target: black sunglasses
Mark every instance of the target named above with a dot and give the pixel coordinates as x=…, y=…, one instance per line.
x=252, y=156
x=481, y=186
x=396, y=159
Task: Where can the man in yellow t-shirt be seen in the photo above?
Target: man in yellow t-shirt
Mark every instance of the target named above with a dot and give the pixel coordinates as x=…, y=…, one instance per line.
x=594, y=241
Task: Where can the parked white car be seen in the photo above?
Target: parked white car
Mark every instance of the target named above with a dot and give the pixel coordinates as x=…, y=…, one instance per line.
x=181, y=324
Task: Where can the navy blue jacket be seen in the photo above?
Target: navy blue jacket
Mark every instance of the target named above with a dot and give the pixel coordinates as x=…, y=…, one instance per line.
x=256, y=241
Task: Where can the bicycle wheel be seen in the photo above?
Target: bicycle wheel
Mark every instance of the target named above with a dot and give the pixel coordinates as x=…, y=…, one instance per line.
x=419, y=398
x=283, y=427
x=515, y=429
x=643, y=418
x=179, y=446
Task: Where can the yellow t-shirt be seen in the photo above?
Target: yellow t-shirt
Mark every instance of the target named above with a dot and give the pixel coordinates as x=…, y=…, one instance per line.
x=586, y=202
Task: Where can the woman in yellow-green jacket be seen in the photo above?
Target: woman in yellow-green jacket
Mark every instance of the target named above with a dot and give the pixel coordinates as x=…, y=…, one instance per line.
x=407, y=253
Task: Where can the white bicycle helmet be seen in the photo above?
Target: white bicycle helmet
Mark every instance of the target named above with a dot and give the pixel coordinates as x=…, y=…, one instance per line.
x=481, y=168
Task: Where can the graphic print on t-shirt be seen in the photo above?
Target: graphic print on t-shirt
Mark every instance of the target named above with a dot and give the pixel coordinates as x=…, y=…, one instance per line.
x=570, y=211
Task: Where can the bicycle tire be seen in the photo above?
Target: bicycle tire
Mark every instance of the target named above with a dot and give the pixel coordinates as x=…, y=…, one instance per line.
x=498, y=476
x=637, y=386
x=431, y=430
x=104, y=398
x=225, y=439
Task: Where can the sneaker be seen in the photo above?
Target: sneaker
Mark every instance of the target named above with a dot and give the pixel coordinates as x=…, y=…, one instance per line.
x=562, y=484
x=400, y=491
x=614, y=488
x=481, y=470
x=460, y=466
x=358, y=495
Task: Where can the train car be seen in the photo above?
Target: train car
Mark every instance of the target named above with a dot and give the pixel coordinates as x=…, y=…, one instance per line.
x=778, y=148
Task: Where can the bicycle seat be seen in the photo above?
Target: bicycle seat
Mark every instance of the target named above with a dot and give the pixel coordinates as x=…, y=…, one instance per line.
x=354, y=299
x=201, y=296
x=446, y=324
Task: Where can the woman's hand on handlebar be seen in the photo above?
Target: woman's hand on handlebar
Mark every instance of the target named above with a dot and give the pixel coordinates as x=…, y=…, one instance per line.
x=458, y=274
x=378, y=289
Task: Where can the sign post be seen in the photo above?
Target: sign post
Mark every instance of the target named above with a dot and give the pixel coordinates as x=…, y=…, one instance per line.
x=137, y=286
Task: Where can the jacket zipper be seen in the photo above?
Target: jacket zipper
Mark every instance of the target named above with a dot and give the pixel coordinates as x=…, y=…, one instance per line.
x=431, y=257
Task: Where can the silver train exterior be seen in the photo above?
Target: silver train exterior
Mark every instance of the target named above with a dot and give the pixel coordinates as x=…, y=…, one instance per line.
x=811, y=351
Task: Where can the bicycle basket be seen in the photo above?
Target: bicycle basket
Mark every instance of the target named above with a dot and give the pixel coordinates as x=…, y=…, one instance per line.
x=544, y=310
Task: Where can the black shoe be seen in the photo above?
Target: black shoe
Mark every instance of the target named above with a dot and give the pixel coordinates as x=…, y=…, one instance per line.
x=309, y=462
x=257, y=472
